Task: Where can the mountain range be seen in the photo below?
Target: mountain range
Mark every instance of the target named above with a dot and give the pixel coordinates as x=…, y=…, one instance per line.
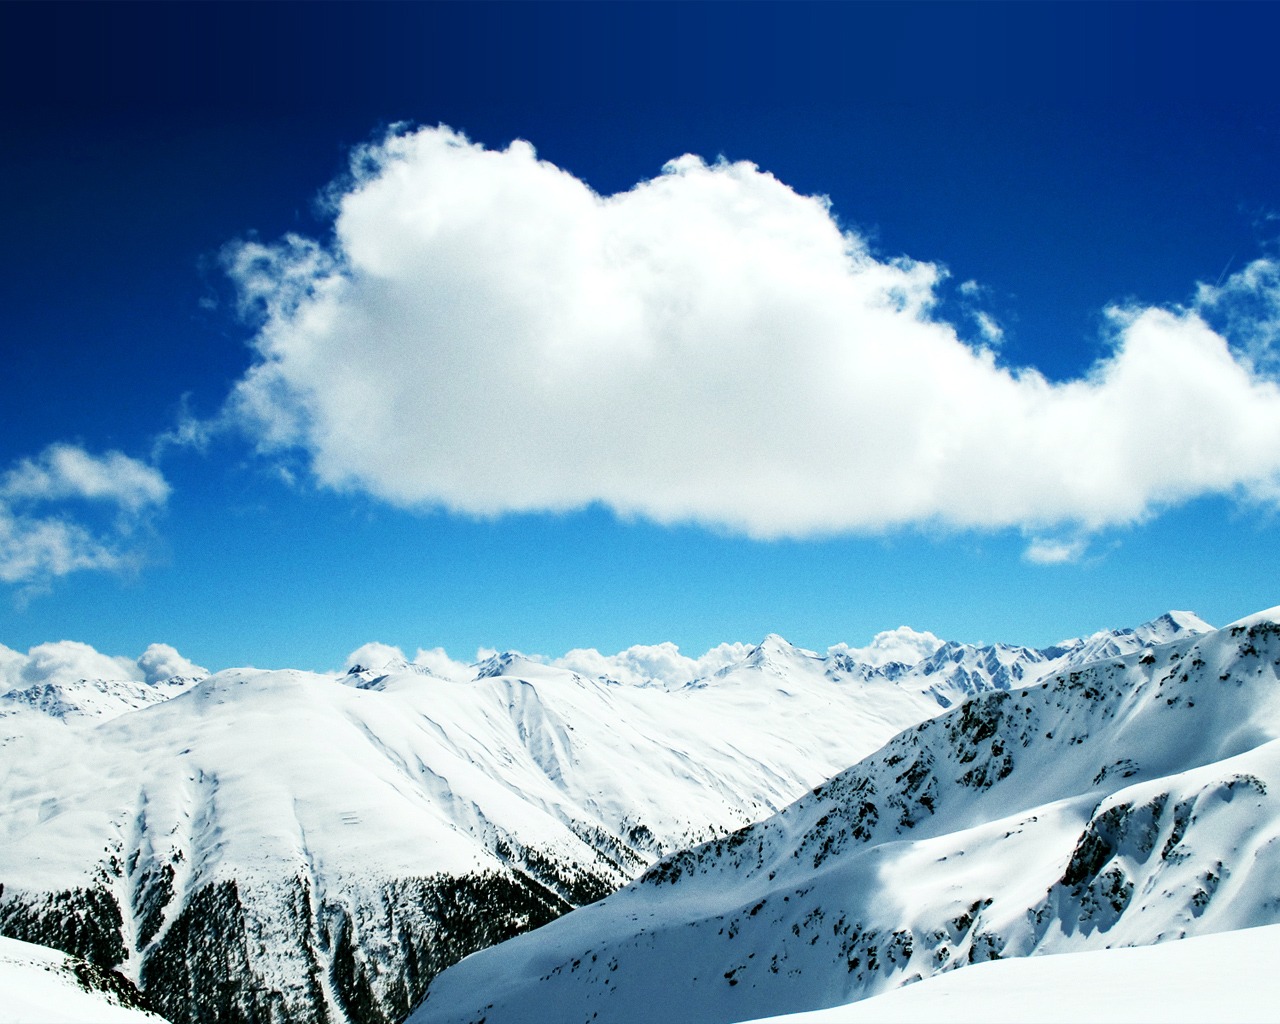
x=283, y=845
x=1129, y=801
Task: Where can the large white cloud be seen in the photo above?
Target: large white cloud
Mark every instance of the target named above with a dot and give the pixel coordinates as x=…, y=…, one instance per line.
x=42, y=536
x=486, y=334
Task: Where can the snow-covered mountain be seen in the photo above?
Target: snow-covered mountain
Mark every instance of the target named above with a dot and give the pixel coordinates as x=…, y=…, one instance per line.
x=321, y=845
x=1126, y=802
x=256, y=845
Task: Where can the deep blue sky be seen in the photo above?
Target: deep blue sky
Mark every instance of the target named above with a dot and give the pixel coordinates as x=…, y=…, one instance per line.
x=1063, y=156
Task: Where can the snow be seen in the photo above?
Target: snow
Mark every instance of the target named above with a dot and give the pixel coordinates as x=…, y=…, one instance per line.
x=1229, y=976
x=1123, y=803
x=346, y=783
x=38, y=984
x=1269, y=615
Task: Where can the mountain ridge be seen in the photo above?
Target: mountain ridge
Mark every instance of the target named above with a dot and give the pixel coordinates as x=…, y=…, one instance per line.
x=327, y=843
x=1125, y=802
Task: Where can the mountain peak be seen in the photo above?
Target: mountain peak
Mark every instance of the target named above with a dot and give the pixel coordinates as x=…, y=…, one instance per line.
x=1171, y=626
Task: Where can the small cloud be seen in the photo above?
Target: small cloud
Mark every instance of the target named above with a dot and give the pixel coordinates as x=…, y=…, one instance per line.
x=440, y=665
x=160, y=662
x=64, y=471
x=1050, y=551
x=658, y=663
x=1246, y=308
x=190, y=431
x=66, y=661
x=62, y=662
x=374, y=657
x=992, y=333
x=904, y=644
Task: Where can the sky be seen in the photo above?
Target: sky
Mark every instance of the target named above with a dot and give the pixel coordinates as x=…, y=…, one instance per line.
x=551, y=326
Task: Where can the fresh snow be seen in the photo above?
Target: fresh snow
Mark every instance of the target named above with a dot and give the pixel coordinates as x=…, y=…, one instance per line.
x=40, y=986
x=333, y=805
x=1125, y=802
x=1227, y=977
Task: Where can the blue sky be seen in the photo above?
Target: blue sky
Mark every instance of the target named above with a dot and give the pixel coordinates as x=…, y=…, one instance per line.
x=1039, y=163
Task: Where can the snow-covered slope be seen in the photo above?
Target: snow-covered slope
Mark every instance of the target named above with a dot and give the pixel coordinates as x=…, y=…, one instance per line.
x=319, y=843
x=39, y=985
x=1127, y=802
x=1227, y=977
x=308, y=845
x=90, y=700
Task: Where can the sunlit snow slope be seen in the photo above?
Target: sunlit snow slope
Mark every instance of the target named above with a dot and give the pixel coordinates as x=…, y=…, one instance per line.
x=1127, y=802
x=39, y=985
x=1228, y=977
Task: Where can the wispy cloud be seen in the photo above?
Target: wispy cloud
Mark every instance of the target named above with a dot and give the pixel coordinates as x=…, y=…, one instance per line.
x=44, y=531
x=1055, y=550
x=487, y=335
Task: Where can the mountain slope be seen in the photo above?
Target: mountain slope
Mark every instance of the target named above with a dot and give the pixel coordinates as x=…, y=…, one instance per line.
x=270, y=844
x=45, y=985
x=1226, y=977
x=1127, y=802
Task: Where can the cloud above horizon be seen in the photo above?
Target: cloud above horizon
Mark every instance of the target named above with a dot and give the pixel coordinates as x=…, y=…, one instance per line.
x=52, y=513
x=485, y=334
x=62, y=662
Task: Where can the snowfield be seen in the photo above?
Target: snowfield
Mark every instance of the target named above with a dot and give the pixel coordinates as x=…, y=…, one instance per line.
x=44, y=986
x=1227, y=977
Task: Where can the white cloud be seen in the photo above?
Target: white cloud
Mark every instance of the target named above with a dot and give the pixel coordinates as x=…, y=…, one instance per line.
x=64, y=471
x=990, y=329
x=487, y=335
x=904, y=644
x=440, y=665
x=1055, y=551
x=1248, y=306
x=33, y=549
x=38, y=543
x=374, y=656
x=67, y=661
x=662, y=663
x=160, y=662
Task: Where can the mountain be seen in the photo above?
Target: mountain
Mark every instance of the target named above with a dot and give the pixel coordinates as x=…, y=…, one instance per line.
x=267, y=844
x=1129, y=801
x=955, y=672
x=257, y=845
x=41, y=984
x=91, y=699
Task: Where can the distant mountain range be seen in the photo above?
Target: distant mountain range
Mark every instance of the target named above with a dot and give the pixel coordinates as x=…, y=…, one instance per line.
x=268, y=845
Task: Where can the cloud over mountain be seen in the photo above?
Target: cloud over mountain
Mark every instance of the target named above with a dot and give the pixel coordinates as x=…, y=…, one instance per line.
x=63, y=662
x=486, y=334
